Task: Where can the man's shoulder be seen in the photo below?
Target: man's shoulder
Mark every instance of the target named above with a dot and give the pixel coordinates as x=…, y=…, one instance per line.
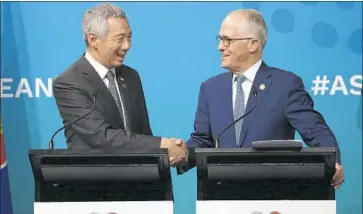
x=217, y=78
x=283, y=72
x=71, y=72
x=128, y=71
x=128, y=68
x=282, y=75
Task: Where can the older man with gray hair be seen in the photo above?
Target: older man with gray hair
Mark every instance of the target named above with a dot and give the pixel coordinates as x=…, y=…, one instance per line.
x=265, y=103
x=110, y=91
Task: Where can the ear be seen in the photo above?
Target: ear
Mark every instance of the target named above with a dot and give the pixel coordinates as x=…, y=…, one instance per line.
x=253, y=45
x=93, y=40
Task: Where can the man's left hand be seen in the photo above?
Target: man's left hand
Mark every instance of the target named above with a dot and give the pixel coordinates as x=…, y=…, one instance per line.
x=338, y=178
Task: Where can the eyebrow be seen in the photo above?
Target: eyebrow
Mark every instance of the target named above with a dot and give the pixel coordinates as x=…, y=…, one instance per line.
x=123, y=34
x=224, y=37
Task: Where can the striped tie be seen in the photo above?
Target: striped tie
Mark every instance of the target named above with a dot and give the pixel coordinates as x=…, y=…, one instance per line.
x=113, y=89
x=239, y=107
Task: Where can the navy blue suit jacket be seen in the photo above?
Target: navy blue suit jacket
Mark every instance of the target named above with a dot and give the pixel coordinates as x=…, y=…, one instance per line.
x=282, y=107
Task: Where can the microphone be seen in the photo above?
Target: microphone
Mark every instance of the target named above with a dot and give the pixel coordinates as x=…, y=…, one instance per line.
x=51, y=142
x=216, y=142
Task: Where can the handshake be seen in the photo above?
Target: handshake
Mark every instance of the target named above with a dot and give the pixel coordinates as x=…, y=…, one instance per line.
x=178, y=152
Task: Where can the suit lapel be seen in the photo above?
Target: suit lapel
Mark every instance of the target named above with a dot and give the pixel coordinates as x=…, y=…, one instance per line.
x=103, y=94
x=124, y=91
x=225, y=89
x=262, y=84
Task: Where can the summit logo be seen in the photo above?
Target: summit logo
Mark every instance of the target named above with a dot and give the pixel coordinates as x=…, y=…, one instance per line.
x=24, y=87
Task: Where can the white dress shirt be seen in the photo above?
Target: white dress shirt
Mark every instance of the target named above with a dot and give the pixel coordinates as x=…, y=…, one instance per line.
x=247, y=84
x=102, y=71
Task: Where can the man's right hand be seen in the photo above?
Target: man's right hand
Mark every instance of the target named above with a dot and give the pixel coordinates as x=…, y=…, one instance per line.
x=177, y=150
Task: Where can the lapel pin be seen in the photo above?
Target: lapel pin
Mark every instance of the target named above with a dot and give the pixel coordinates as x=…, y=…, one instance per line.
x=123, y=85
x=122, y=79
x=262, y=87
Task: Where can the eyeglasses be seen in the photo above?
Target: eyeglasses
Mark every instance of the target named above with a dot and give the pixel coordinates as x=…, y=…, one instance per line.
x=227, y=41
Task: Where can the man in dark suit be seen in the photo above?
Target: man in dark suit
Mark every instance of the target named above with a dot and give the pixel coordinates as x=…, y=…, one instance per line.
x=277, y=101
x=120, y=117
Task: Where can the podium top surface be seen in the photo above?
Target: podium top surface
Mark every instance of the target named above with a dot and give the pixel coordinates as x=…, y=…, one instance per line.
x=97, y=152
x=251, y=150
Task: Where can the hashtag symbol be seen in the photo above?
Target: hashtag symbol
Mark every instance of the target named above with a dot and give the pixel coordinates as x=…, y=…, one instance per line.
x=320, y=85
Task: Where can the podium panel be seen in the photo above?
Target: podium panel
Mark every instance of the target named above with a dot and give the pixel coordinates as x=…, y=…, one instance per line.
x=266, y=207
x=267, y=181
x=249, y=174
x=101, y=176
x=130, y=207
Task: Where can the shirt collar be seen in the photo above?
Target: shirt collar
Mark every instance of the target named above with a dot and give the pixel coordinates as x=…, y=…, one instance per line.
x=100, y=69
x=250, y=73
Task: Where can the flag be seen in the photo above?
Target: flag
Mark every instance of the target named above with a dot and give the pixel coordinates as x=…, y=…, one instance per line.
x=5, y=199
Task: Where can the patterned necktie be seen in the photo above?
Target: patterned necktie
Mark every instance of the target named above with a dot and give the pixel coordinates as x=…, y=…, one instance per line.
x=239, y=107
x=112, y=87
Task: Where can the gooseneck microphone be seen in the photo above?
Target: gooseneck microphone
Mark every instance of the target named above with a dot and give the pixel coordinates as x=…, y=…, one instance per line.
x=51, y=142
x=216, y=141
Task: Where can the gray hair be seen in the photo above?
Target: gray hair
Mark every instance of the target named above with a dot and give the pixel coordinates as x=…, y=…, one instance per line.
x=95, y=19
x=255, y=24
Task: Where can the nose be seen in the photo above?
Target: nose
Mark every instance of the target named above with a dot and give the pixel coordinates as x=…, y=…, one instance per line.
x=126, y=45
x=221, y=46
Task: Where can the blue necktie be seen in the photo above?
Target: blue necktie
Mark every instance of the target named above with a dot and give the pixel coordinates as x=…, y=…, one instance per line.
x=239, y=107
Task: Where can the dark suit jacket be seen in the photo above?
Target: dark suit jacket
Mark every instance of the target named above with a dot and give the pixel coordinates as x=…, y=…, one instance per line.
x=103, y=128
x=282, y=107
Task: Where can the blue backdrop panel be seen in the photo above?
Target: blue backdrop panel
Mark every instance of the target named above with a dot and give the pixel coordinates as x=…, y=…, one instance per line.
x=174, y=49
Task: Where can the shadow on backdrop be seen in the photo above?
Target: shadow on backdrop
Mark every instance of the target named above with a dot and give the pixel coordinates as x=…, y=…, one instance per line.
x=359, y=113
x=18, y=113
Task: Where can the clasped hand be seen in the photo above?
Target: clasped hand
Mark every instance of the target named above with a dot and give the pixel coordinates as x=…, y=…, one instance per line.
x=338, y=178
x=178, y=152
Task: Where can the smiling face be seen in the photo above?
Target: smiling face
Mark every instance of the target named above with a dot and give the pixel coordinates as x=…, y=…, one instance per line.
x=237, y=44
x=110, y=50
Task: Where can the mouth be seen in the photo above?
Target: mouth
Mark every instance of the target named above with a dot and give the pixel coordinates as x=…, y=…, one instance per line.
x=120, y=56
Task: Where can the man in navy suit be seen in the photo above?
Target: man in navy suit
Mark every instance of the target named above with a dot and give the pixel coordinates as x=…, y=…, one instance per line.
x=274, y=101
